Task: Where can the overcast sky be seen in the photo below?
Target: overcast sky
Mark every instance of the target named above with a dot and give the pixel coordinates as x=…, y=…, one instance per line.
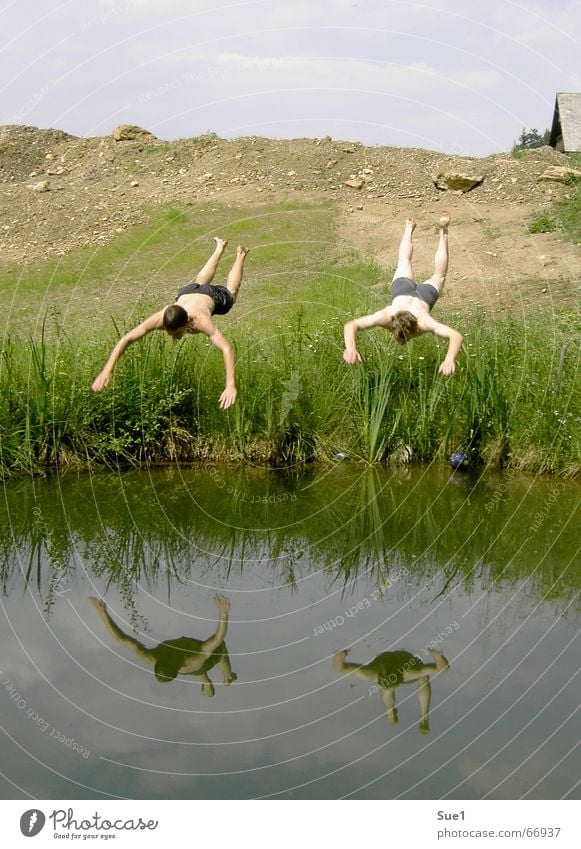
x=460, y=76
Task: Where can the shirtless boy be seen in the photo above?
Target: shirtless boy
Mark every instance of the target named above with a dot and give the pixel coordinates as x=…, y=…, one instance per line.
x=409, y=313
x=183, y=655
x=389, y=670
x=192, y=312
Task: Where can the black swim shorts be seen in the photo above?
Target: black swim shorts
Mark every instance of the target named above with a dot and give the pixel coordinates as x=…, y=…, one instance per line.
x=222, y=297
x=406, y=286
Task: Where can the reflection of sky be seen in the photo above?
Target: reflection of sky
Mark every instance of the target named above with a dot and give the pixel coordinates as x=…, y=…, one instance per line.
x=461, y=78
x=289, y=705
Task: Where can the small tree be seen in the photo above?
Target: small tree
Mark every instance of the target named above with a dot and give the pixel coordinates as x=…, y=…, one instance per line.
x=529, y=139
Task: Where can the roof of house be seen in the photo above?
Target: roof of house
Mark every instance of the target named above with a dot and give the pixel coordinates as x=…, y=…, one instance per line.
x=567, y=120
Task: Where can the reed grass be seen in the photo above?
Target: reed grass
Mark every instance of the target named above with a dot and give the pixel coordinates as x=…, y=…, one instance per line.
x=516, y=385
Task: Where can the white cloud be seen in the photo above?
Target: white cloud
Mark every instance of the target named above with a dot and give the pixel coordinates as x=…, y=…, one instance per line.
x=184, y=67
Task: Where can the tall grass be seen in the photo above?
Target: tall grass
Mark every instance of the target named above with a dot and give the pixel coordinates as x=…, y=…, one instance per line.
x=516, y=386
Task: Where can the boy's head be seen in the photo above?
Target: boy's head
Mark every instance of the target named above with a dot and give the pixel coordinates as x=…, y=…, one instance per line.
x=404, y=327
x=168, y=662
x=175, y=320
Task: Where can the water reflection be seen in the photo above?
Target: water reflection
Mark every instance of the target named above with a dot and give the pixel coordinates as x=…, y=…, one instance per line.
x=182, y=655
x=482, y=569
x=348, y=522
x=389, y=670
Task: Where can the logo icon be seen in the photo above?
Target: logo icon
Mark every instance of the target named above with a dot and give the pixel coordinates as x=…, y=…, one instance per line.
x=32, y=822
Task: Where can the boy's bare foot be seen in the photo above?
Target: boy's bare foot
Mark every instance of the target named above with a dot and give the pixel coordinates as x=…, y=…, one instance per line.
x=220, y=243
x=208, y=690
x=445, y=219
x=230, y=678
x=411, y=222
x=241, y=250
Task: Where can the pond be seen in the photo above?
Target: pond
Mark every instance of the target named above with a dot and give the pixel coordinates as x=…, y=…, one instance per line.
x=129, y=697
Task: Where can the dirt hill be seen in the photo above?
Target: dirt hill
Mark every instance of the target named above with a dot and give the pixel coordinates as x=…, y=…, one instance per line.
x=59, y=192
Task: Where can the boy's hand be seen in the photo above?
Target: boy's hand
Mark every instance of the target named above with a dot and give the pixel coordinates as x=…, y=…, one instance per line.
x=101, y=381
x=227, y=398
x=447, y=368
x=352, y=356
x=222, y=603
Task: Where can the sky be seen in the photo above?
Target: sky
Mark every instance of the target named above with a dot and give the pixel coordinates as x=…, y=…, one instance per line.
x=457, y=76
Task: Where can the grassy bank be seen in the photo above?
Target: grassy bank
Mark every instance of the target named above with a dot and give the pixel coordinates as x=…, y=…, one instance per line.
x=515, y=386
x=513, y=397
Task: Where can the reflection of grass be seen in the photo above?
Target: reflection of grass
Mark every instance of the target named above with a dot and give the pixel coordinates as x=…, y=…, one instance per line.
x=399, y=527
x=515, y=382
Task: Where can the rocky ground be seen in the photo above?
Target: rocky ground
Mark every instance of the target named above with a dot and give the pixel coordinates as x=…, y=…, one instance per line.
x=59, y=192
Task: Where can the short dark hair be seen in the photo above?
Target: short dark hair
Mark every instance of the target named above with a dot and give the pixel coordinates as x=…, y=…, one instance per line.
x=174, y=317
x=165, y=673
x=404, y=326
x=168, y=661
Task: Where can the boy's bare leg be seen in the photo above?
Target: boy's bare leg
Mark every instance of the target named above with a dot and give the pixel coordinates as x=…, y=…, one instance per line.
x=405, y=253
x=226, y=669
x=424, y=696
x=388, y=699
x=207, y=686
x=438, y=278
x=206, y=275
x=210, y=645
x=235, y=276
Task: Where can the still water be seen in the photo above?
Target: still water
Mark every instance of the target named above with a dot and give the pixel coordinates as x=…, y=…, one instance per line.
x=115, y=682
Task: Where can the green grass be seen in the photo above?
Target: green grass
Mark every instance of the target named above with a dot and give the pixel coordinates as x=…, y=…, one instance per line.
x=141, y=269
x=565, y=214
x=567, y=211
x=543, y=224
x=298, y=402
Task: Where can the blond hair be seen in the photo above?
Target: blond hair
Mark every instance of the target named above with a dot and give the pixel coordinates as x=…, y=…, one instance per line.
x=404, y=326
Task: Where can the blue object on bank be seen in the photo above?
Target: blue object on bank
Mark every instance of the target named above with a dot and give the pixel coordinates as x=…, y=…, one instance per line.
x=459, y=460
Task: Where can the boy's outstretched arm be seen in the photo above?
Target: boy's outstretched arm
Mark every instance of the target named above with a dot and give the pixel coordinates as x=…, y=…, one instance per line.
x=455, y=340
x=154, y=322
x=382, y=318
x=228, y=396
x=120, y=635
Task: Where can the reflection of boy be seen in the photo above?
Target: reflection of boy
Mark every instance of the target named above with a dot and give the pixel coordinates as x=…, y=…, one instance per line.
x=192, y=312
x=392, y=668
x=184, y=655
